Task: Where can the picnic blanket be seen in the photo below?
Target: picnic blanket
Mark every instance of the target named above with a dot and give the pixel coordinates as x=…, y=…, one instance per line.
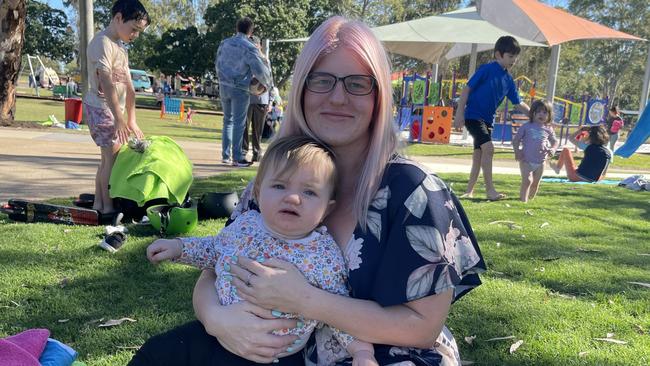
x=23, y=349
x=162, y=170
x=564, y=180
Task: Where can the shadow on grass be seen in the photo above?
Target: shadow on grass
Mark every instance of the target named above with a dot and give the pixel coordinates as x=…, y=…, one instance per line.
x=124, y=285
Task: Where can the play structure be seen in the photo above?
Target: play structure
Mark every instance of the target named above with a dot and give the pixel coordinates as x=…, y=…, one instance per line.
x=425, y=109
x=569, y=113
x=173, y=106
x=422, y=109
x=637, y=136
x=41, y=77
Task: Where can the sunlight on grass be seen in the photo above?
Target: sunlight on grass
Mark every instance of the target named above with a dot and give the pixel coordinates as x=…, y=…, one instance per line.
x=636, y=161
x=205, y=127
x=555, y=287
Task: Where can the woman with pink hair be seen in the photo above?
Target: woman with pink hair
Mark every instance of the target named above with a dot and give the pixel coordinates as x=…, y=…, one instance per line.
x=408, y=245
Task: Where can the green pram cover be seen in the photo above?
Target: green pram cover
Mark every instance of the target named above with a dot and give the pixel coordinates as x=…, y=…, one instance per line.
x=161, y=171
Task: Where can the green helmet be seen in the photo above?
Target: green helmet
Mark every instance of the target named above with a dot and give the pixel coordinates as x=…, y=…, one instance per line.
x=173, y=220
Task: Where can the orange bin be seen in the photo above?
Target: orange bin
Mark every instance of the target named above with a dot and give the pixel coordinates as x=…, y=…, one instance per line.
x=73, y=110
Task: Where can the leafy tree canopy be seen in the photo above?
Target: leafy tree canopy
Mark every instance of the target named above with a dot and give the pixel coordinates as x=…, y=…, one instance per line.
x=274, y=20
x=180, y=50
x=48, y=32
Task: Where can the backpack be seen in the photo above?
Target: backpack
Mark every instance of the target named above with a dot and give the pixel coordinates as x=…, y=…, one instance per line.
x=616, y=125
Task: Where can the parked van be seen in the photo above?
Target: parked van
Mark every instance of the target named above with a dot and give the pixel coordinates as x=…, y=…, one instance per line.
x=140, y=80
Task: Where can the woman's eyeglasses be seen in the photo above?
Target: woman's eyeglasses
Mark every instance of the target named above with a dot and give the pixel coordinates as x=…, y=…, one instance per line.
x=323, y=82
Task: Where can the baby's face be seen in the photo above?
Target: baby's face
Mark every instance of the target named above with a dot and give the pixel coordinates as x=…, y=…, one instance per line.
x=294, y=205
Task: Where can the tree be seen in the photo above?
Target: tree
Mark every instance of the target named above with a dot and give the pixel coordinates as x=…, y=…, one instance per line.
x=101, y=11
x=12, y=34
x=181, y=50
x=273, y=20
x=377, y=13
x=618, y=64
x=141, y=49
x=48, y=32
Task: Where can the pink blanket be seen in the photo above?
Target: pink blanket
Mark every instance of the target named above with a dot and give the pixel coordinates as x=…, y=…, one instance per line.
x=23, y=349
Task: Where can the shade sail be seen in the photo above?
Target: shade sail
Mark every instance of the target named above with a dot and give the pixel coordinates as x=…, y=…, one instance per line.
x=428, y=38
x=539, y=22
x=542, y=23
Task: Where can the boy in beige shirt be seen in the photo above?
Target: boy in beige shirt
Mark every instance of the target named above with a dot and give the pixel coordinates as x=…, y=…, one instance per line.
x=110, y=91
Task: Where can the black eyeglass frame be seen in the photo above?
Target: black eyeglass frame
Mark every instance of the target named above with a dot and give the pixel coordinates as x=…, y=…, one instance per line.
x=341, y=79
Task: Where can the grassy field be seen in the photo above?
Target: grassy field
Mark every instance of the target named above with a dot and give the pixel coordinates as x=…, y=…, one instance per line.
x=141, y=99
x=207, y=127
x=556, y=286
x=635, y=162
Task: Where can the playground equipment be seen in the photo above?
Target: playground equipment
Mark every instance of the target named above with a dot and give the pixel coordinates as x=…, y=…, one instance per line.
x=421, y=107
x=637, y=136
x=436, y=124
x=46, y=76
x=568, y=114
x=172, y=106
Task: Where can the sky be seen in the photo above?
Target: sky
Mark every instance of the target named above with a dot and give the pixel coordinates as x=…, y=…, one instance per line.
x=57, y=4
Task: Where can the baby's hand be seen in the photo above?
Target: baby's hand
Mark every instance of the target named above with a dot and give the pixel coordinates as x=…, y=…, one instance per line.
x=364, y=358
x=164, y=249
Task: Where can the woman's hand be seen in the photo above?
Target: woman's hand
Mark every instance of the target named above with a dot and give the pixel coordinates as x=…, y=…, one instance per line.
x=242, y=328
x=276, y=284
x=245, y=330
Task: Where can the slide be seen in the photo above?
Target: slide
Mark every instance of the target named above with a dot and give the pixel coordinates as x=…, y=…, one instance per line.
x=638, y=136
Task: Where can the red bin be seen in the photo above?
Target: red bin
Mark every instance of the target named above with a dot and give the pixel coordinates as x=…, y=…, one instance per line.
x=73, y=111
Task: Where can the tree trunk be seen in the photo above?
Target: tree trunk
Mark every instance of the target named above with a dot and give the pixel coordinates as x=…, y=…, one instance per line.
x=12, y=38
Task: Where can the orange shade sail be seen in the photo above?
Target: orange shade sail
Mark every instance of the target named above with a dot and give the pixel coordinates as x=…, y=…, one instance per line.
x=559, y=26
x=545, y=24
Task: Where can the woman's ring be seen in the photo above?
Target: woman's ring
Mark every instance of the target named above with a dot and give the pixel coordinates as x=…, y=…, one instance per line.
x=248, y=279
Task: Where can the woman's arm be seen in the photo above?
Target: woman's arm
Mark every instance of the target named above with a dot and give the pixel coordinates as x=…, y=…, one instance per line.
x=242, y=328
x=414, y=324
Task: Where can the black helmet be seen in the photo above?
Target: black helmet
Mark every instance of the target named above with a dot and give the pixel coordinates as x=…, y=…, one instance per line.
x=216, y=205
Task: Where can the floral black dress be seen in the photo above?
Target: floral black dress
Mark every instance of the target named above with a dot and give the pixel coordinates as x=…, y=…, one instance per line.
x=418, y=242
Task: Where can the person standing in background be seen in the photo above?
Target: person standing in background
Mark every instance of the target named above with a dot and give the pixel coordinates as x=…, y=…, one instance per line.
x=236, y=62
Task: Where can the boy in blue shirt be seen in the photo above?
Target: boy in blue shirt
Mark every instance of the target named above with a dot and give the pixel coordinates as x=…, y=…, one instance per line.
x=478, y=102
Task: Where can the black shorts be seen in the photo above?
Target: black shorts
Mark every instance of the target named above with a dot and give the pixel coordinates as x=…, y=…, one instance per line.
x=480, y=131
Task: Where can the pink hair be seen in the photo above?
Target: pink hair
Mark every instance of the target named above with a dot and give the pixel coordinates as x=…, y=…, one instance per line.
x=356, y=37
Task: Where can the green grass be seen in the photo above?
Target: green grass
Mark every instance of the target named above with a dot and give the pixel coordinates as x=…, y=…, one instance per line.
x=206, y=127
x=555, y=287
x=147, y=100
x=635, y=162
